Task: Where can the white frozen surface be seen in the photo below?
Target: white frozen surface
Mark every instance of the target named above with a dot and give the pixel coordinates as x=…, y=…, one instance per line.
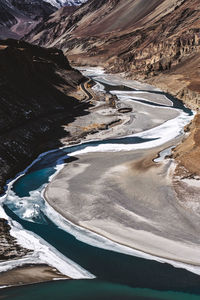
x=61, y=3
x=163, y=154
x=29, y=207
x=162, y=134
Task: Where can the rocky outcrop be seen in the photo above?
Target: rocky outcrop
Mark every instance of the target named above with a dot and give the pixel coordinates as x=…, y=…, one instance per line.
x=34, y=103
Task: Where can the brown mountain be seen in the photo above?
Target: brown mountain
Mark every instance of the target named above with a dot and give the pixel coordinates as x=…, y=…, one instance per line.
x=156, y=40
x=34, y=102
x=17, y=17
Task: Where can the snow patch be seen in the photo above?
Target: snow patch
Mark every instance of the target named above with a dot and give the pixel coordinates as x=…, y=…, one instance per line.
x=61, y=3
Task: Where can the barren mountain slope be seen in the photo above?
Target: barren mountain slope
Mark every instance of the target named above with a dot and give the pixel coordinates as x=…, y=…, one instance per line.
x=17, y=17
x=35, y=84
x=142, y=38
x=97, y=17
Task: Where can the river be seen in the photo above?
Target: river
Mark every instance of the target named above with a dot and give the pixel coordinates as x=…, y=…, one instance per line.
x=105, y=270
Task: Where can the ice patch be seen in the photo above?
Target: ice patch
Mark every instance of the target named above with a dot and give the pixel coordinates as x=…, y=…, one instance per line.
x=42, y=251
x=28, y=208
x=163, y=154
x=98, y=87
x=123, y=95
x=192, y=182
x=45, y=253
x=159, y=135
x=91, y=71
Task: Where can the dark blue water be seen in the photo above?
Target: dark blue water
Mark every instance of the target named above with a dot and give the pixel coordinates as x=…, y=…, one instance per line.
x=119, y=276
x=91, y=290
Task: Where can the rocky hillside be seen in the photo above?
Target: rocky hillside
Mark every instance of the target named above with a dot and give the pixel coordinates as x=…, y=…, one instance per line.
x=149, y=40
x=34, y=102
x=17, y=17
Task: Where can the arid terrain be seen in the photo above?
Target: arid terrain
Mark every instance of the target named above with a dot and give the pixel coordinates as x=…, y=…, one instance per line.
x=157, y=42
x=18, y=17
x=113, y=182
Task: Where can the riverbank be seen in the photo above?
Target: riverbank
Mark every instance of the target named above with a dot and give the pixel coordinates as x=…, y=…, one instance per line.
x=130, y=199
x=132, y=203
x=38, y=94
x=102, y=121
x=30, y=274
x=84, y=122
x=107, y=121
x=124, y=108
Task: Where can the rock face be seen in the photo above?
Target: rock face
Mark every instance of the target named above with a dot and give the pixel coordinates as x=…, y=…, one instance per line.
x=18, y=17
x=149, y=40
x=34, y=102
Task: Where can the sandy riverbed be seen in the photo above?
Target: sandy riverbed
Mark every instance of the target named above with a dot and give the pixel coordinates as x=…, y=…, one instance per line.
x=125, y=196
x=29, y=274
x=143, y=115
x=129, y=199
